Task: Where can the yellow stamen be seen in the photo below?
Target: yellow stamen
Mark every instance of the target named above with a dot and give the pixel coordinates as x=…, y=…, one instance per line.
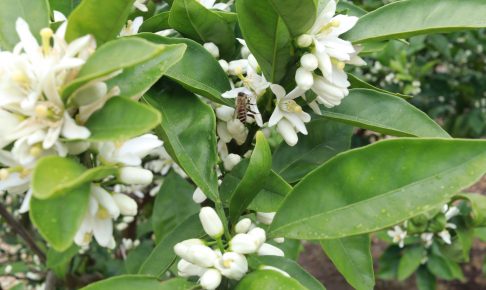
x=24, y=172
x=102, y=213
x=35, y=150
x=87, y=238
x=4, y=173
x=227, y=263
x=292, y=106
x=42, y=111
x=20, y=77
x=332, y=24
x=46, y=34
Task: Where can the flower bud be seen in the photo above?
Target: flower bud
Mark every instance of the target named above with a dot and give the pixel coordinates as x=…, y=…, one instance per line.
x=305, y=40
x=198, y=196
x=309, y=62
x=304, y=79
x=279, y=240
x=232, y=265
x=259, y=234
x=243, y=226
x=223, y=133
x=211, y=279
x=287, y=131
x=211, y=222
x=245, y=51
x=135, y=175
x=126, y=204
x=181, y=248
x=244, y=244
x=231, y=161
x=237, y=130
x=202, y=256
x=265, y=218
x=186, y=269
x=270, y=250
x=212, y=49
x=225, y=113
x=224, y=65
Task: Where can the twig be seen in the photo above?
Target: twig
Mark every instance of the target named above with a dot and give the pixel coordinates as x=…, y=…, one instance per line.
x=20, y=230
x=51, y=281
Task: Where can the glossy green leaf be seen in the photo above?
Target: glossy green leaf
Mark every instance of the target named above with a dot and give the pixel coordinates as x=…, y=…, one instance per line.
x=189, y=130
x=258, y=169
x=64, y=6
x=136, y=257
x=375, y=187
x=102, y=19
x=59, y=218
x=326, y=138
x=111, y=122
x=444, y=268
x=208, y=80
x=51, y=172
x=268, y=280
x=425, y=280
x=173, y=204
x=388, y=263
x=410, y=261
x=35, y=13
x=267, y=37
x=156, y=23
x=404, y=19
x=352, y=257
x=163, y=256
x=357, y=83
x=350, y=8
x=192, y=19
x=384, y=113
x=138, y=79
x=139, y=282
x=478, y=208
x=59, y=261
x=55, y=175
x=114, y=56
x=299, y=16
x=291, y=267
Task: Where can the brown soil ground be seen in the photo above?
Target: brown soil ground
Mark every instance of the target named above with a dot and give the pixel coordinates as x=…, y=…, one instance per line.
x=316, y=262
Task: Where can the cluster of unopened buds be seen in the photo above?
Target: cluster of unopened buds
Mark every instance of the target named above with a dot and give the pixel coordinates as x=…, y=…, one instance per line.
x=215, y=259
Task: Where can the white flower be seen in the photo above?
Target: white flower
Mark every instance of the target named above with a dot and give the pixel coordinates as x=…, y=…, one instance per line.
x=270, y=250
x=164, y=163
x=198, y=196
x=126, y=204
x=244, y=244
x=398, y=235
x=140, y=5
x=259, y=234
x=210, y=279
x=200, y=255
x=232, y=265
x=330, y=94
x=211, y=4
x=186, y=269
x=182, y=247
x=265, y=218
x=212, y=49
x=236, y=130
x=135, y=175
x=129, y=153
x=211, y=222
x=287, y=109
x=132, y=26
x=450, y=212
x=243, y=226
x=16, y=177
x=445, y=236
x=253, y=113
x=427, y=238
x=225, y=113
x=231, y=161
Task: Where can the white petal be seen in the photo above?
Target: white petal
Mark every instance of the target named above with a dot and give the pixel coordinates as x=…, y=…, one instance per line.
x=103, y=231
x=278, y=90
x=275, y=118
x=71, y=130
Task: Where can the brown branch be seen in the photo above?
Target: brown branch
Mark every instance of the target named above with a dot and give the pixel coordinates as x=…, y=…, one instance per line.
x=20, y=230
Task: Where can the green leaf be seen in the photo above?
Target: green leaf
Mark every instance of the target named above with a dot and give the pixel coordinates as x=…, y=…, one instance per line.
x=388, y=263
x=410, y=261
x=299, y=16
x=351, y=9
x=352, y=257
x=189, y=131
x=115, y=55
x=357, y=83
x=52, y=173
x=111, y=122
x=156, y=23
x=291, y=267
x=326, y=138
x=192, y=19
x=478, y=208
x=59, y=218
x=55, y=175
x=64, y=6
x=59, y=261
x=365, y=109
x=425, y=280
x=139, y=282
x=208, y=80
x=258, y=169
x=137, y=80
x=405, y=19
x=35, y=13
x=173, y=204
x=267, y=37
x=163, y=256
x=375, y=187
x=268, y=280
x=444, y=268
x=136, y=257
x=102, y=19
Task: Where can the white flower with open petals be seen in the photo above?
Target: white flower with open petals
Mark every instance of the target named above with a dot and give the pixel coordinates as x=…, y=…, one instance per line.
x=288, y=111
x=130, y=152
x=398, y=235
x=253, y=111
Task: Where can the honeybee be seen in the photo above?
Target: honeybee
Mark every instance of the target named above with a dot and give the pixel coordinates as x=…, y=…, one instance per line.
x=243, y=109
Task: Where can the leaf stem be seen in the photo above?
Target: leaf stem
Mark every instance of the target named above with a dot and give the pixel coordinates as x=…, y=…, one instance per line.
x=222, y=216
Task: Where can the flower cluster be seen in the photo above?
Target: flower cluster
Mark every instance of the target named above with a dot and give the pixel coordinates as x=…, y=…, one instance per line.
x=213, y=260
